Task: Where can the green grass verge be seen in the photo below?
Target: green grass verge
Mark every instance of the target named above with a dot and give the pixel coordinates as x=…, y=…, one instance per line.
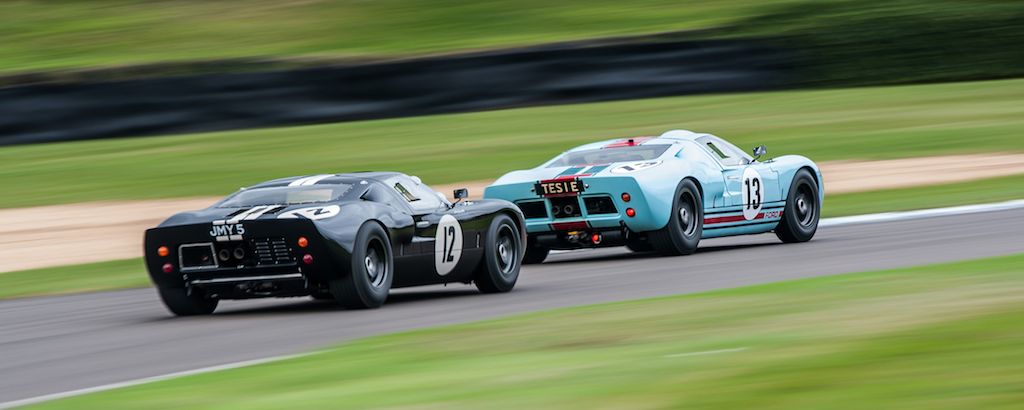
x=118, y=274
x=833, y=42
x=865, y=123
x=944, y=336
x=924, y=197
x=79, y=34
x=130, y=273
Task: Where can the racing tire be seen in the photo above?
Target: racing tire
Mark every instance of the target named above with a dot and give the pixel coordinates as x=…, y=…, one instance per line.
x=322, y=296
x=535, y=254
x=499, y=269
x=181, y=303
x=685, y=225
x=638, y=245
x=803, y=210
x=372, y=271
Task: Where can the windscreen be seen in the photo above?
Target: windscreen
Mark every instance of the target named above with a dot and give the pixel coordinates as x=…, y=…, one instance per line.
x=286, y=195
x=601, y=156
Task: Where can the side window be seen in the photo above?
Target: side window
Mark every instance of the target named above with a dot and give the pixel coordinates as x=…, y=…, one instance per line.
x=377, y=193
x=724, y=152
x=420, y=197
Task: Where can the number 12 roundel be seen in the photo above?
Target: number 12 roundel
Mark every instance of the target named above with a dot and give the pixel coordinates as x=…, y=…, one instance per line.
x=753, y=193
x=447, y=245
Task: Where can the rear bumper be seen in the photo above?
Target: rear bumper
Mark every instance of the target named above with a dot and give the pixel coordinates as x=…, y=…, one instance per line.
x=542, y=213
x=246, y=287
x=274, y=267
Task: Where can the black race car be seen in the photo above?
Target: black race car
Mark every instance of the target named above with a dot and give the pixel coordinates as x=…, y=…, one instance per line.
x=348, y=237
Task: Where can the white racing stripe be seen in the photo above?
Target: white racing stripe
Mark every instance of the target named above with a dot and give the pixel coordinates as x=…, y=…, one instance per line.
x=311, y=180
x=145, y=380
x=259, y=210
x=846, y=220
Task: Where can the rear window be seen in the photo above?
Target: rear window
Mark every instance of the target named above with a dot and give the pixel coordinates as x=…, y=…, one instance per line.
x=286, y=195
x=601, y=156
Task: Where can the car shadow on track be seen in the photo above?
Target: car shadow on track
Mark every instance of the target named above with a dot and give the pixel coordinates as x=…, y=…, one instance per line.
x=625, y=255
x=307, y=305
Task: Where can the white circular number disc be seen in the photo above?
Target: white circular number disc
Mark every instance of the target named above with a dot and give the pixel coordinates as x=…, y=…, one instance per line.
x=753, y=193
x=447, y=245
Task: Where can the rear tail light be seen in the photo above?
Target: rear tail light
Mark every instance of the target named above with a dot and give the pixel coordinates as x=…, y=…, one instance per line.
x=596, y=238
x=307, y=259
x=303, y=242
x=168, y=268
x=630, y=212
x=626, y=197
x=163, y=251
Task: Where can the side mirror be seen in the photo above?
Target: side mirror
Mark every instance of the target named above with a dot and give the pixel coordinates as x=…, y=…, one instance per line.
x=460, y=194
x=759, y=151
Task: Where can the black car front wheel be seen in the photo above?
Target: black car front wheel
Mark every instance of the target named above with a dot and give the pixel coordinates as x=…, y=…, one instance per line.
x=369, y=280
x=499, y=270
x=182, y=303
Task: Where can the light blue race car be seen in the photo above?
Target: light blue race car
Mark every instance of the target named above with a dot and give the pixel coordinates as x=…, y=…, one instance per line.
x=662, y=193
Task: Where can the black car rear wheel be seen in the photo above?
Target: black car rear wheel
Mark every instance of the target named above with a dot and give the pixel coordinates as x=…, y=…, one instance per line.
x=685, y=225
x=499, y=269
x=372, y=271
x=181, y=303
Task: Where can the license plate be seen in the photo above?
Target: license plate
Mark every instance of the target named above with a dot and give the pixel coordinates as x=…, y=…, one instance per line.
x=567, y=187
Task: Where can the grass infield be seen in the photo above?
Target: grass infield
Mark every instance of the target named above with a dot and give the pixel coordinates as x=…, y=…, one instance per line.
x=944, y=336
x=862, y=123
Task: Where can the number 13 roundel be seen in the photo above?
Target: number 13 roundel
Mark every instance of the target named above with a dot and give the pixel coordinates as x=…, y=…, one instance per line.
x=753, y=193
x=447, y=245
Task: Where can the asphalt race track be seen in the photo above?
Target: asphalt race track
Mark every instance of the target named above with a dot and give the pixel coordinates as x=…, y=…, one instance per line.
x=56, y=344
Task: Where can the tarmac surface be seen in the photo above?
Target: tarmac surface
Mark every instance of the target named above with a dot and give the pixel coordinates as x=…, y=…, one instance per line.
x=56, y=344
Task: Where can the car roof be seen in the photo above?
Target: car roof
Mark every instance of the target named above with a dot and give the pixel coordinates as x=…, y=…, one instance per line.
x=321, y=179
x=668, y=137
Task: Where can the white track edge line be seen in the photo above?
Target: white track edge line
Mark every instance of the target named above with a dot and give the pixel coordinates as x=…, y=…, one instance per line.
x=839, y=221
x=909, y=215
x=922, y=213
x=146, y=380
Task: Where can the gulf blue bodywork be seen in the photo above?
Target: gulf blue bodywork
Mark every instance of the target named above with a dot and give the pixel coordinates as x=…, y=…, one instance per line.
x=652, y=189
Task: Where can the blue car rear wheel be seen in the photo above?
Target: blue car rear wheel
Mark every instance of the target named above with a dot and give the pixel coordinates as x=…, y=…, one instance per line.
x=685, y=225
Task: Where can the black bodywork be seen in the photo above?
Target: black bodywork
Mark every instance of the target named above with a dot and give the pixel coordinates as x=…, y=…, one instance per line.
x=264, y=258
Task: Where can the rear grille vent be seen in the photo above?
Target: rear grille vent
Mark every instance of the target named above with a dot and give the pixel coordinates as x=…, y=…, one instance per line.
x=599, y=205
x=272, y=251
x=533, y=209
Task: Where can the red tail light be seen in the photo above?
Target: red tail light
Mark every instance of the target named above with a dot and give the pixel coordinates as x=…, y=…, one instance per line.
x=595, y=238
x=163, y=251
x=307, y=259
x=303, y=242
x=630, y=212
x=626, y=197
x=168, y=268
